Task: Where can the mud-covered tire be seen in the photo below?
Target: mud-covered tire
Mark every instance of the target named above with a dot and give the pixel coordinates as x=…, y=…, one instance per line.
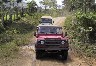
x=64, y=55
x=38, y=54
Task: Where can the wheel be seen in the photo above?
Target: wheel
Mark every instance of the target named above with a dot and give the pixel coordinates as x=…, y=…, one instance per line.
x=38, y=54
x=64, y=55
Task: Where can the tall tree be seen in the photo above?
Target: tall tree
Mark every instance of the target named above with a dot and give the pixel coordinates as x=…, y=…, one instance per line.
x=2, y=11
x=16, y=9
x=49, y=4
x=46, y=3
x=53, y=4
x=32, y=7
x=83, y=5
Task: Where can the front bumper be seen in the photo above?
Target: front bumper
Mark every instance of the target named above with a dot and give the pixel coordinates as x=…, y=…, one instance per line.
x=51, y=49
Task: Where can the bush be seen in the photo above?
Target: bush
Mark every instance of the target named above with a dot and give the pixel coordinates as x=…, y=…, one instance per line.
x=79, y=29
x=88, y=23
x=17, y=34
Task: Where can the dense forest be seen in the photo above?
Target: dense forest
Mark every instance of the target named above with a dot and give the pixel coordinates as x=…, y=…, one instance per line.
x=16, y=26
x=81, y=24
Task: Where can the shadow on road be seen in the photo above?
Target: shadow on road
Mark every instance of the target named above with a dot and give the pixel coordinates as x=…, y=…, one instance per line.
x=55, y=58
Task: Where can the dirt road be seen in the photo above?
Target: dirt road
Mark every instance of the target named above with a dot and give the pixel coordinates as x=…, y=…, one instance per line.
x=28, y=55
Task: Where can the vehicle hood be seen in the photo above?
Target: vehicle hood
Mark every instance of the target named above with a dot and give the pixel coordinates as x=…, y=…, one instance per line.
x=49, y=37
x=57, y=37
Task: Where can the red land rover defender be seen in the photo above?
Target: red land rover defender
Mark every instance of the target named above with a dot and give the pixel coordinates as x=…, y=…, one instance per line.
x=50, y=38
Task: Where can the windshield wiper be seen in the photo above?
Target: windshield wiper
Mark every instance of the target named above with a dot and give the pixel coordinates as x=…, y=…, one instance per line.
x=51, y=32
x=42, y=32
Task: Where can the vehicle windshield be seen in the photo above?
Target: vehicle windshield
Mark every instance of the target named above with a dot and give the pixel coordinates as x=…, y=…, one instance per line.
x=46, y=20
x=50, y=30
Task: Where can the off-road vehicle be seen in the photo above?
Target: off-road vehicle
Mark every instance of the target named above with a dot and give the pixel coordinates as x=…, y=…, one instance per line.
x=51, y=39
x=46, y=20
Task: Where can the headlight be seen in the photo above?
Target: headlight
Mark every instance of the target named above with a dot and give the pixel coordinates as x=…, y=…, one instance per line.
x=63, y=42
x=42, y=42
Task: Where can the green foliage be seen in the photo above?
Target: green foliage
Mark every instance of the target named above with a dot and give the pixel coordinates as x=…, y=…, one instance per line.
x=81, y=29
x=45, y=3
x=68, y=22
x=88, y=23
x=86, y=20
x=83, y=5
x=82, y=25
x=17, y=34
x=32, y=7
x=12, y=39
x=5, y=1
x=52, y=4
x=1, y=29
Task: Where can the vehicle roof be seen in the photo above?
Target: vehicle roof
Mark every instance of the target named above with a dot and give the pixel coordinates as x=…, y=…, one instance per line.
x=44, y=24
x=50, y=25
x=46, y=17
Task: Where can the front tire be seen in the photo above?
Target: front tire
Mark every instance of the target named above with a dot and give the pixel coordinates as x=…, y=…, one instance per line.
x=64, y=55
x=39, y=54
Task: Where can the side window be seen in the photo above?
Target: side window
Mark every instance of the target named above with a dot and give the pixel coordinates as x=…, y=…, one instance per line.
x=59, y=31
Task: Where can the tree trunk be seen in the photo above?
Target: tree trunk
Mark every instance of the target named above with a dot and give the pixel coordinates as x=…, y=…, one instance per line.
x=17, y=11
x=45, y=8
x=2, y=15
x=10, y=19
x=6, y=16
x=14, y=15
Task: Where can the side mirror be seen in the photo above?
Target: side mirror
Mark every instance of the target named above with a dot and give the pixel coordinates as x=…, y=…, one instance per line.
x=66, y=34
x=34, y=33
x=53, y=21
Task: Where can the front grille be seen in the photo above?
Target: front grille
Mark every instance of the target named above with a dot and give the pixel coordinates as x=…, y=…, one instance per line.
x=52, y=41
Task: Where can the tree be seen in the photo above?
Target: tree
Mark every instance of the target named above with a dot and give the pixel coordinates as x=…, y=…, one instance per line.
x=2, y=11
x=18, y=1
x=5, y=1
x=49, y=5
x=32, y=7
x=16, y=8
x=46, y=3
x=83, y=5
x=53, y=4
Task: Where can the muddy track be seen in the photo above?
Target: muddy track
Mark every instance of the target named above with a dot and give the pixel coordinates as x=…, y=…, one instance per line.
x=28, y=55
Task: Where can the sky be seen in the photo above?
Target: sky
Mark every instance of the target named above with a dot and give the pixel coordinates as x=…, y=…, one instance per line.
x=59, y=2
